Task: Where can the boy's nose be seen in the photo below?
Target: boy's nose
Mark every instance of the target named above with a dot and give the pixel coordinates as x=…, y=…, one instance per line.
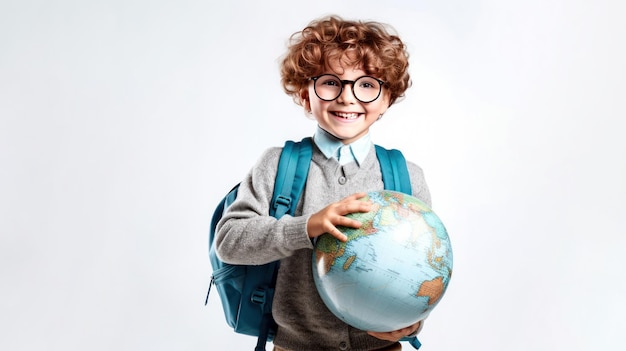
x=347, y=95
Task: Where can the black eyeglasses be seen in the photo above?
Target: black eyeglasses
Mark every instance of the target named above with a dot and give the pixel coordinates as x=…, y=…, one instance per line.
x=328, y=87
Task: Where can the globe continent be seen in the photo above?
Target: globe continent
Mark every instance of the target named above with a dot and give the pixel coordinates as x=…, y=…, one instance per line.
x=392, y=271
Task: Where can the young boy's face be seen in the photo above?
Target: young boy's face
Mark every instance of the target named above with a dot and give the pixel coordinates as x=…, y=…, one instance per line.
x=346, y=117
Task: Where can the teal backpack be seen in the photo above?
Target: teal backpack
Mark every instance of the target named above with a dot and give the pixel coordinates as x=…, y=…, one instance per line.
x=246, y=291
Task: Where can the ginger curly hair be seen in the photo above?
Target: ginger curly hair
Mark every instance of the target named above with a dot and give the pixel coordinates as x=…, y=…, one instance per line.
x=372, y=46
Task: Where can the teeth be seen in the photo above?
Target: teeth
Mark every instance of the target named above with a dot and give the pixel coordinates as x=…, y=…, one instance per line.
x=347, y=115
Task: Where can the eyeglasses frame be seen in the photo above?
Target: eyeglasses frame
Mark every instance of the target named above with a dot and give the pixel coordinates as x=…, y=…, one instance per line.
x=343, y=83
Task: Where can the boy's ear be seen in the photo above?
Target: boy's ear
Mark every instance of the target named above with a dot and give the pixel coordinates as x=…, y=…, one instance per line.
x=387, y=98
x=304, y=99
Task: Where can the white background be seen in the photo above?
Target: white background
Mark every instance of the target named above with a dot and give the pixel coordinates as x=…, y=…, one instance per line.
x=123, y=123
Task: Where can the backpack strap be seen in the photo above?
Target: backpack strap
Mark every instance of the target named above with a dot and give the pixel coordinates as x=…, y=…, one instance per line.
x=414, y=341
x=394, y=170
x=293, y=169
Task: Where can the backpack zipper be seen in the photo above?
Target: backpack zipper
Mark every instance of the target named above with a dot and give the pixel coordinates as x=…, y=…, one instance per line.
x=212, y=282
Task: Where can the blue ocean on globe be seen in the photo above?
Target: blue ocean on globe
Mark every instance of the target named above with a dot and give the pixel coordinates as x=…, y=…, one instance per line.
x=392, y=271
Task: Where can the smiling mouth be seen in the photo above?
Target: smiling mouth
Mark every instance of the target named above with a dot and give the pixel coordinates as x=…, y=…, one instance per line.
x=346, y=115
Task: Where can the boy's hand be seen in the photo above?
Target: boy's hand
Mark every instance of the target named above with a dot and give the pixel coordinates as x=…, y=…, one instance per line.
x=333, y=215
x=396, y=335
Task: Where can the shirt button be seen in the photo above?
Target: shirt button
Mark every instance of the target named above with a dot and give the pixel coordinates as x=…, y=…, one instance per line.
x=343, y=345
x=342, y=180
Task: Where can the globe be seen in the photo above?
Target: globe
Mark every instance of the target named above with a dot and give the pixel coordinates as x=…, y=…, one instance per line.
x=392, y=271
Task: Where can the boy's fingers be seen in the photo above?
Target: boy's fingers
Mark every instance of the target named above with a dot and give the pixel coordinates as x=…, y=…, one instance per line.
x=354, y=206
x=338, y=234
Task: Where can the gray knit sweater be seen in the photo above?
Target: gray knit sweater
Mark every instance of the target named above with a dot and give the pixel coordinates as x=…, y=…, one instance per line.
x=248, y=235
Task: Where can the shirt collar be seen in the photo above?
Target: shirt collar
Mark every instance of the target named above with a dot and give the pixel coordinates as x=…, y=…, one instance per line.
x=330, y=145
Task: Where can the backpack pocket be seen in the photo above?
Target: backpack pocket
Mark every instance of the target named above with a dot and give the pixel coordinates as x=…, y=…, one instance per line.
x=229, y=281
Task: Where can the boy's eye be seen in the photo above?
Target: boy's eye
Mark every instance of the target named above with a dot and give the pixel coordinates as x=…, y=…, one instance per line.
x=331, y=83
x=367, y=83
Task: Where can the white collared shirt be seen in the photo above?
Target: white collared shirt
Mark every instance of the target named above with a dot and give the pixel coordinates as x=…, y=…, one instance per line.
x=333, y=147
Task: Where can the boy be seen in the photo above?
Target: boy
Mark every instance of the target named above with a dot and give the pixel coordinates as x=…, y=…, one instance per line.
x=345, y=74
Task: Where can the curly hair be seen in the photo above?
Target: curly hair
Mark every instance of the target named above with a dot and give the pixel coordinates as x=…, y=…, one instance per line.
x=371, y=46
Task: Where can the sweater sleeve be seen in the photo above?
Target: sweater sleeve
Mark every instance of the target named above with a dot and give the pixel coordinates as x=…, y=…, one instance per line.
x=247, y=234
